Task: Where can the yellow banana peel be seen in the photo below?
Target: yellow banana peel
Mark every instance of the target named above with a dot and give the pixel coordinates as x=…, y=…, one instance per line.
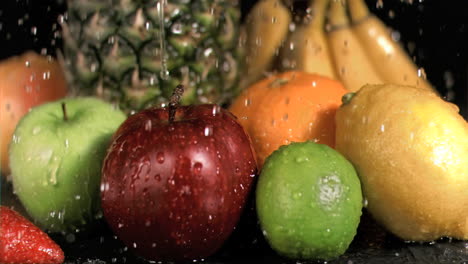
x=387, y=56
x=353, y=65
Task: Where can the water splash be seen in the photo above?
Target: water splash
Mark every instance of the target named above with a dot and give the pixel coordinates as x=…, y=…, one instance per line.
x=160, y=6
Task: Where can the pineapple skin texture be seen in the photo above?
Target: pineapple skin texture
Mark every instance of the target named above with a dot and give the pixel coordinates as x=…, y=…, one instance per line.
x=113, y=50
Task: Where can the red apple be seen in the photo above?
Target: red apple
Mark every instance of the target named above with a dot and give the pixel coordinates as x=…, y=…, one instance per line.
x=174, y=184
x=25, y=81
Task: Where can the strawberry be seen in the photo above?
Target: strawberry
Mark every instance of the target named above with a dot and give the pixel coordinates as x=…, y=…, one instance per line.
x=23, y=242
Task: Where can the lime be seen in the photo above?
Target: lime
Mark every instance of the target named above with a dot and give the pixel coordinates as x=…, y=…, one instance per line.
x=309, y=201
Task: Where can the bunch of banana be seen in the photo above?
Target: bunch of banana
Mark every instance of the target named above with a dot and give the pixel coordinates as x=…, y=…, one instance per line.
x=306, y=47
x=267, y=25
x=356, y=49
x=389, y=59
x=352, y=63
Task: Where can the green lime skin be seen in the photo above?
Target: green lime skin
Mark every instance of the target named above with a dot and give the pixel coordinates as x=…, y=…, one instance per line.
x=56, y=161
x=309, y=201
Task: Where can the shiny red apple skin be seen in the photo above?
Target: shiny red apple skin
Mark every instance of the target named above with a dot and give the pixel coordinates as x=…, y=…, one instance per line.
x=175, y=190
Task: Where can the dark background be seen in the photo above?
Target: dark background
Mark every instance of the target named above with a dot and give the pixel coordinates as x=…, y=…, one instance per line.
x=434, y=32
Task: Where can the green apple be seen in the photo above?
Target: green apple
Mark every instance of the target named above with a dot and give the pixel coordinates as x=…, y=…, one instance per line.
x=309, y=201
x=56, y=157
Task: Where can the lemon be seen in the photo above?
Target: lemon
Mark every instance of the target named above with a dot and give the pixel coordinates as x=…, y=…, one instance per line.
x=309, y=201
x=410, y=149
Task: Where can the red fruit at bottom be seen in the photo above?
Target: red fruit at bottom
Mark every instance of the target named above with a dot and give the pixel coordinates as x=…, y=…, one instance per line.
x=23, y=242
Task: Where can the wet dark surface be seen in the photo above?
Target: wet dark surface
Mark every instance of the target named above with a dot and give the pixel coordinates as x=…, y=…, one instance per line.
x=372, y=244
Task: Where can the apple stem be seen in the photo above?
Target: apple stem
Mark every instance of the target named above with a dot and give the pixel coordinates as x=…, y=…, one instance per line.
x=174, y=101
x=64, y=110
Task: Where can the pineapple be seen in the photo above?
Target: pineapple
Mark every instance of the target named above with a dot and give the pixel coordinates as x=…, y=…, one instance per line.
x=135, y=52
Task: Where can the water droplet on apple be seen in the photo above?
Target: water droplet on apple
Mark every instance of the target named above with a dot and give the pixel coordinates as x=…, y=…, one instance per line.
x=27, y=63
x=160, y=157
x=247, y=102
x=36, y=130
x=148, y=125
x=197, y=167
x=216, y=109
x=302, y=159
x=148, y=222
x=120, y=225
x=60, y=215
x=104, y=187
x=157, y=177
x=208, y=131
x=77, y=197
x=66, y=143
x=297, y=195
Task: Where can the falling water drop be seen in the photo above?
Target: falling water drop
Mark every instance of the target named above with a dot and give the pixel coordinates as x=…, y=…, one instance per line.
x=365, y=202
x=176, y=28
x=160, y=6
x=379, y=4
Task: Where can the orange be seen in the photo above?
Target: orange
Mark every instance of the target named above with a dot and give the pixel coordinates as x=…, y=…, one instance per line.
x=289, y=107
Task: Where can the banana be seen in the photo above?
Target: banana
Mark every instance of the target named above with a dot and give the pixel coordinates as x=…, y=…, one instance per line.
x=306, y=49
x=353, y=65
x=388, y=57
x=267, y=26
